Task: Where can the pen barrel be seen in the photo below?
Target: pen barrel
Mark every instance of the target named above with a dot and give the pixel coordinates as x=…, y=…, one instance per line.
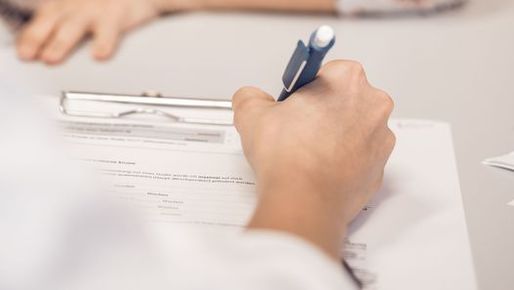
x=306, y=61
x=312, y=67
x=309, y=72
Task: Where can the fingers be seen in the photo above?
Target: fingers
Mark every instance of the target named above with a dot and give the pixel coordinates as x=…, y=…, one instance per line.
x=57, y=30
x=106, y=38
x=34, y=36
x=247, y=104
x=60, y=25
x=66, y=37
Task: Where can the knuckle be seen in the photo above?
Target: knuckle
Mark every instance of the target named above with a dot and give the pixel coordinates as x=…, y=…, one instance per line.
x=386, y=102
x=237, y=120
x=344, y=67
x=335, y=64
x=241, y=98
x=346, y=73
x=390, y=139
x=334, y=69
x=355, y=66
x=357, y=74
x=245, y=91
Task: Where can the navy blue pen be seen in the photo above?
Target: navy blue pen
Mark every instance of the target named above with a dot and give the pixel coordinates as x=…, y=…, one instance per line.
x=306, y=61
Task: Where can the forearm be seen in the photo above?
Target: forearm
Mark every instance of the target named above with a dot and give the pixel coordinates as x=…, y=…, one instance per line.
x=297, y=211
x=322, y=6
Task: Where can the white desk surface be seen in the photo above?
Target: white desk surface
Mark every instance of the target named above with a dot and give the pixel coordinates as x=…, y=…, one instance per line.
x=457, y=67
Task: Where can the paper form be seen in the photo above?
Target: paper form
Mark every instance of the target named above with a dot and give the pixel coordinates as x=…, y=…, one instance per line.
x=175, y=173
x=412, y=235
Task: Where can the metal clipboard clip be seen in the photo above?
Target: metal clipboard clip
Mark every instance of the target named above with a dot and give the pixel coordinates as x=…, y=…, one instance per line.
x=147, y=103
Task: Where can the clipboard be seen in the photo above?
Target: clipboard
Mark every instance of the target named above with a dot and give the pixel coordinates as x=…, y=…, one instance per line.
x=152, y=103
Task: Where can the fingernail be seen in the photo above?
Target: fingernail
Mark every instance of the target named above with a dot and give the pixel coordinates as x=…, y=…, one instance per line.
x=101, y=54
x=26, y=52
x=51, y=57
x=102, y=51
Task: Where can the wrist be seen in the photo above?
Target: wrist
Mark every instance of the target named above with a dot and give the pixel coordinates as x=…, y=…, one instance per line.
x=301, y=196
x=303, y=210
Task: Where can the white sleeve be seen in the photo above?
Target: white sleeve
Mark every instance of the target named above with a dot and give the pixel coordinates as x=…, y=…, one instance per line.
x=286, y=262
x=257, y=260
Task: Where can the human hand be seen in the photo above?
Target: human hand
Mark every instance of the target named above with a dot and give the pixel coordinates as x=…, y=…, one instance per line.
x=318, y=156
x=59, y=26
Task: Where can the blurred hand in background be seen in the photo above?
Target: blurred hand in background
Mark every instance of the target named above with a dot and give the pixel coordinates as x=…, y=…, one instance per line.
x=58, y=26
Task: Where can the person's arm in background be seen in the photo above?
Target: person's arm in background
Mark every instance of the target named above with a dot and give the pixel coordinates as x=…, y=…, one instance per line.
x=323, y=6
x=319, y=155
x=58, y=26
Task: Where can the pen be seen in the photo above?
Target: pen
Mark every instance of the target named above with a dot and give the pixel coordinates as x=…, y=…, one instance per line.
x=307, y=60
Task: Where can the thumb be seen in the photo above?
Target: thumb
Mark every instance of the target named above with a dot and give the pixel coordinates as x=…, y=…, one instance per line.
x=248, y=103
